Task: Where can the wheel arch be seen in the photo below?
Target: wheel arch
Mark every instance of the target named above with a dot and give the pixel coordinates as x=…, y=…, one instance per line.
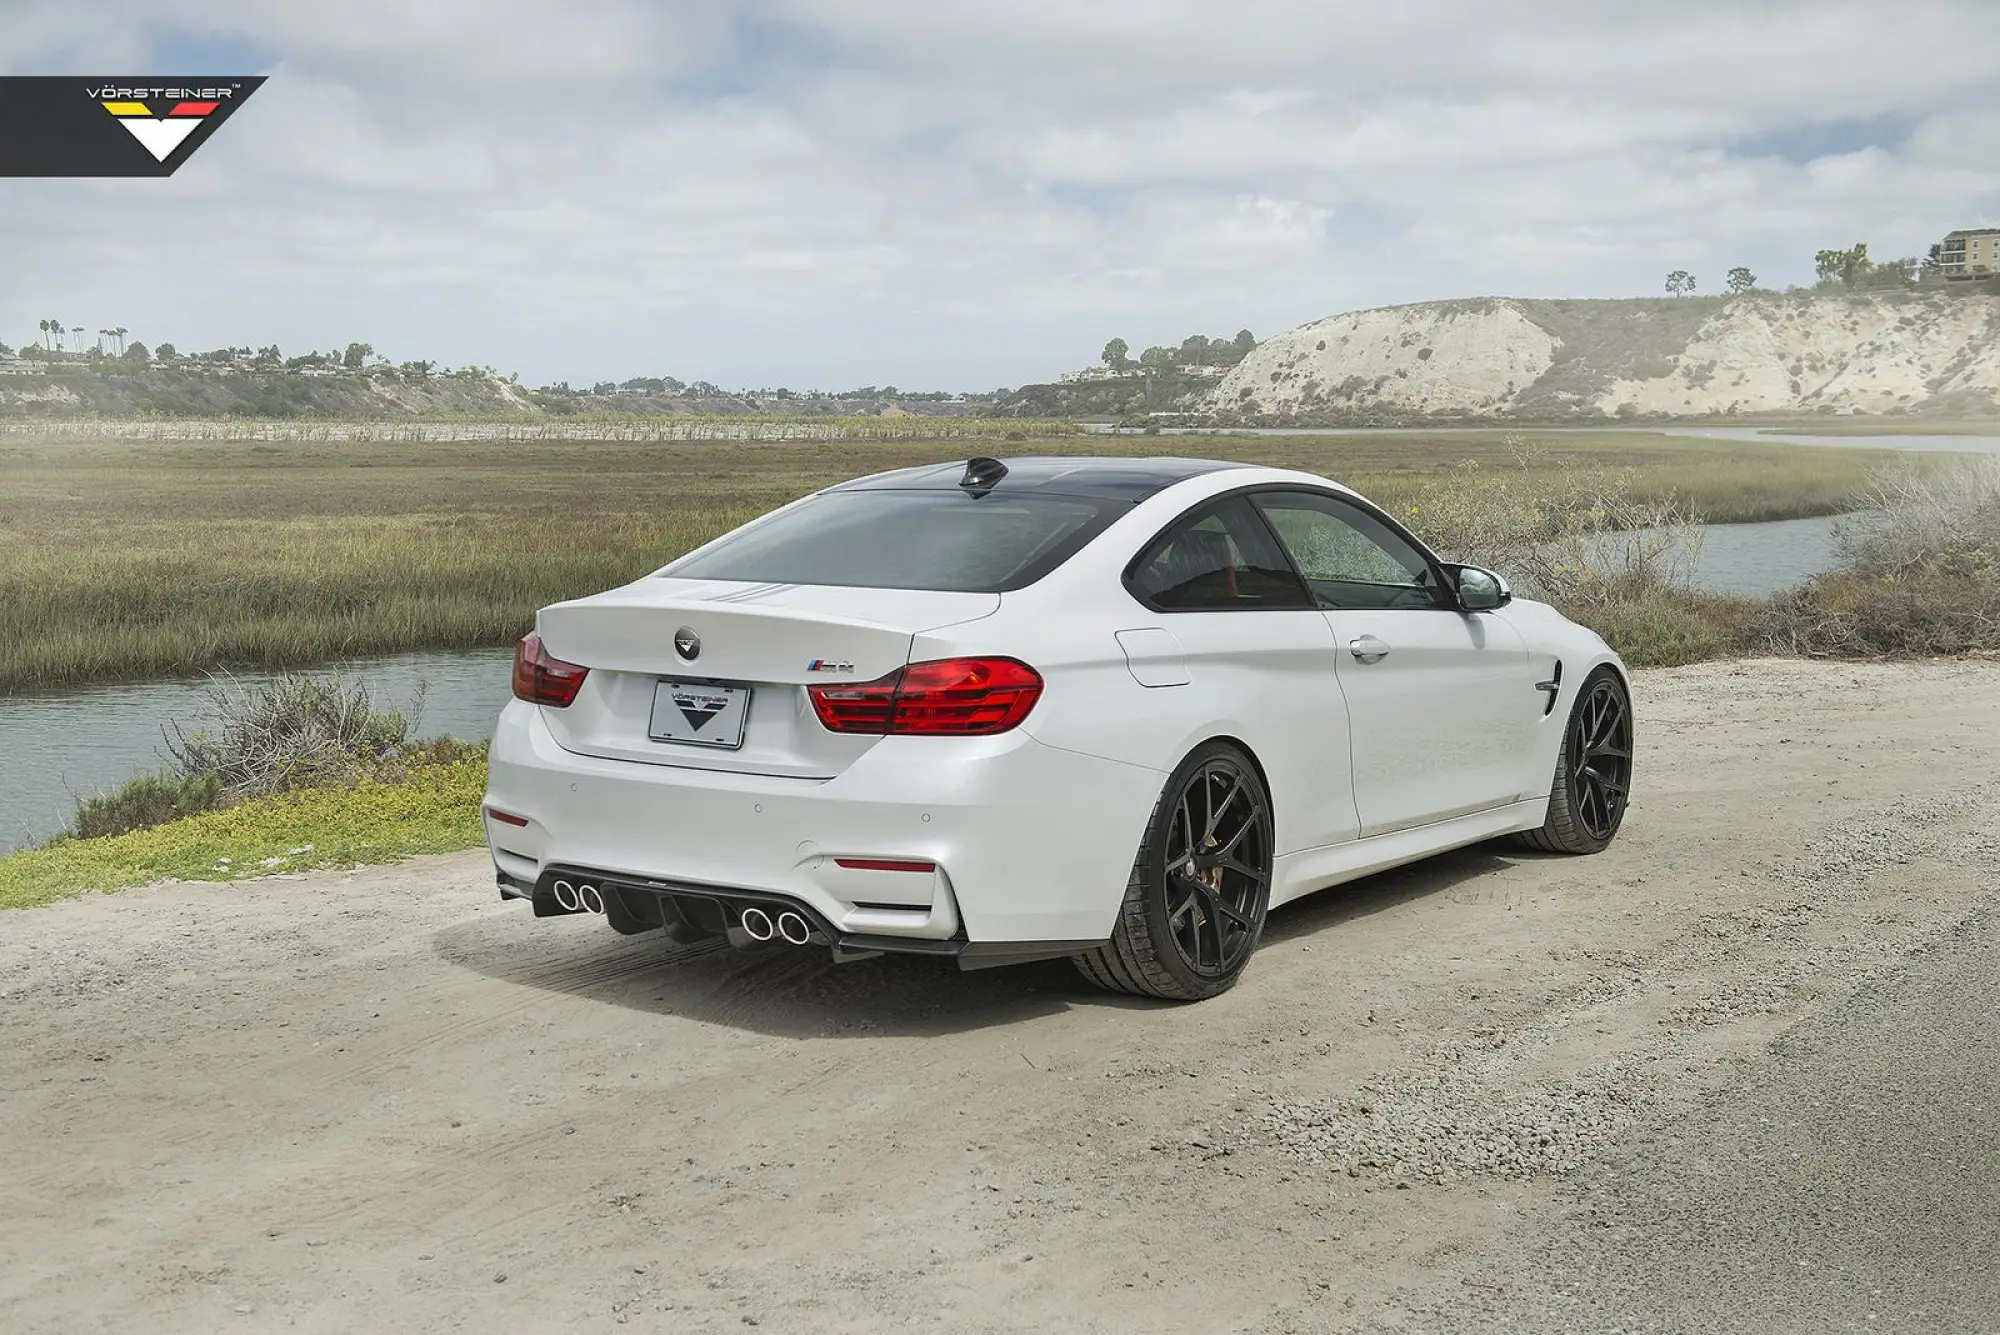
x=1256, y=762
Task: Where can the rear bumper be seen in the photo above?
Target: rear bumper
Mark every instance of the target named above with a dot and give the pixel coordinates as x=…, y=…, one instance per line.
x=648, y=903
x=1031, y=847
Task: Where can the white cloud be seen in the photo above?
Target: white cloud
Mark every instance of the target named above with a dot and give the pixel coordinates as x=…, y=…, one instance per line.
x=965, y=193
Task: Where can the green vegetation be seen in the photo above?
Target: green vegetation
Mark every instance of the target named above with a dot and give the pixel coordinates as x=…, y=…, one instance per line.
x=149, y=800
x=433, y=808
x=295, y=732
x=133, y=559
x=1920, y=577
x=1194, y=350
x=297, y=773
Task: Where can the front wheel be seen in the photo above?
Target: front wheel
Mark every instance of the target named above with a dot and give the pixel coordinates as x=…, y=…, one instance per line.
x=1593, y=779
x=1195, y=905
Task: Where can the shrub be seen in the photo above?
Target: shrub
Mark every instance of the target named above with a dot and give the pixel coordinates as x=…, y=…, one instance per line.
x=1670, y=627
x=1578, y=539
x=1920, y=574
x=297, y=731
x=149, y=800
x=1581, y=541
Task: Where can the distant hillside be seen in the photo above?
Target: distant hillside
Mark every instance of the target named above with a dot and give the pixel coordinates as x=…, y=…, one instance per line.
x=1876, y=353
x=117, y=388
x=113, y=388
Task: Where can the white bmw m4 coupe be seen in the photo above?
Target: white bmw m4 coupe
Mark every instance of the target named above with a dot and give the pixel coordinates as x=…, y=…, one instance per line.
x=996, y=711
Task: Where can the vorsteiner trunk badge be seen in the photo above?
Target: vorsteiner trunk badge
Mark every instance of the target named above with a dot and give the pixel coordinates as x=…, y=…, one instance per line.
x=687, y=644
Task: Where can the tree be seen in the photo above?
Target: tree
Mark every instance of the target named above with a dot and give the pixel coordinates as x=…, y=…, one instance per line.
x=1243, y=342
x=1893, y=273
x=1847, y=267
x=1680, y=283
x=1194, y=350
x=1741, y=280
x=1157, y=358
x=136, y=353
x=43, y=325
x=357, y=355
x=1933, y=265
x=5, y=351
x=167, y=352
x=1117, y=354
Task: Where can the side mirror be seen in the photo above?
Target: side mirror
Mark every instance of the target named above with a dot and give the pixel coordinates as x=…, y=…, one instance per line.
x=1480, y=590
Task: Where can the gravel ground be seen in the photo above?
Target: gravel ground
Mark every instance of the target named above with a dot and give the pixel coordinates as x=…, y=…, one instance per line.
x=1852, y=1186
x=1490, y=1091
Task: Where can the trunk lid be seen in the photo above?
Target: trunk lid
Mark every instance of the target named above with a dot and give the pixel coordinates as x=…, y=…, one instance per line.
x=774, y=639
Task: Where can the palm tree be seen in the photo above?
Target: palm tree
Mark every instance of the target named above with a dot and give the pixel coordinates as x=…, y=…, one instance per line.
x=119, y=334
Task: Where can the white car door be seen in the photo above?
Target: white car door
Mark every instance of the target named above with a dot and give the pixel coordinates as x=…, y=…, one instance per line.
x=1262, y=659
x=1441, y=702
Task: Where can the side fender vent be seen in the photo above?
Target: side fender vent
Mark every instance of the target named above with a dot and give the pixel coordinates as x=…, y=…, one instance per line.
x=1552, y=688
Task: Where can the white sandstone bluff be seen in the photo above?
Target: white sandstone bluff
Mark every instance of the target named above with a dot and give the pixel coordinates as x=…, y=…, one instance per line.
x=1890, y=352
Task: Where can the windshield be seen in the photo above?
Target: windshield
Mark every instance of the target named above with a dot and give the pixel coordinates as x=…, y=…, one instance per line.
x=930, y=540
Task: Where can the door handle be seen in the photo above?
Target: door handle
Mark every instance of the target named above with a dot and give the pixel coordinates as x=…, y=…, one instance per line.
x=1368, y=649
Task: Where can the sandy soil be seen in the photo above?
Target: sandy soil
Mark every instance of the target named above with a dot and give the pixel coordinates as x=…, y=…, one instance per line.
x=385, y=1100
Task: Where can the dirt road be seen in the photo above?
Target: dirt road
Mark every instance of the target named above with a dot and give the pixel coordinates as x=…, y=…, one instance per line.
x=384, y=1100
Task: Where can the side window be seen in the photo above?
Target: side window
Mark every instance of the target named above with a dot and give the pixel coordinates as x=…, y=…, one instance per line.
x=1218, y=559
x=1350, y=558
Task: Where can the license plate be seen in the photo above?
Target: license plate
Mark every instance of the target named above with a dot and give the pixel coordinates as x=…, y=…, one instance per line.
x=695, y=713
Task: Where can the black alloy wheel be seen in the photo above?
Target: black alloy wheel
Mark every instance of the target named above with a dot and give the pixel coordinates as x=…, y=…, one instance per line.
x=1593, y=779
x=1194, y=908
x=1599, y=749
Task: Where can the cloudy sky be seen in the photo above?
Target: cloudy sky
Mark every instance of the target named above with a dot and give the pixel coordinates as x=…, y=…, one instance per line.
x=973, y=193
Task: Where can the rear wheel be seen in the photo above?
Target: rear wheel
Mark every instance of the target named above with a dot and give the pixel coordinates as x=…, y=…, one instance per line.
x=1593, y=777
x=1195, y=905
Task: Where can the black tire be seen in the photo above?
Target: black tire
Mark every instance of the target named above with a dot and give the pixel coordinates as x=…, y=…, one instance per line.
x=1194, y=907
x=1593, y=780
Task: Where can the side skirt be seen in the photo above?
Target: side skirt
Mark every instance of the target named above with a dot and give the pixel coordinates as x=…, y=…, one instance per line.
x=1301, y=873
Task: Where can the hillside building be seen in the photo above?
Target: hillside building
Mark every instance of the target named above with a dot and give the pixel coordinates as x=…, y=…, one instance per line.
x=1971, y=254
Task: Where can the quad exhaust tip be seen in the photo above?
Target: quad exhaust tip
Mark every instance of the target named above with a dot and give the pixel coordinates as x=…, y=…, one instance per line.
x=757, y=924
x=794, y=928
x=577, y=898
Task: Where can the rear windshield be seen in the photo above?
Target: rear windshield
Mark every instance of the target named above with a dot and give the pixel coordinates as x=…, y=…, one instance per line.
x=934, y=540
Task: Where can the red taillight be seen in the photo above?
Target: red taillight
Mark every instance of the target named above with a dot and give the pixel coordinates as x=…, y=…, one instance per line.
x=956, y=697
x=507, y=817
x=540, y=678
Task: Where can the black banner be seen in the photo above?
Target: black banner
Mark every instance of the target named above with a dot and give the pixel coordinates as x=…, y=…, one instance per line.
x=114, y=125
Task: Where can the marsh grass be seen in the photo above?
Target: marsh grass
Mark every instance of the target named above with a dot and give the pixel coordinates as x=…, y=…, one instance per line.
x=129, y=559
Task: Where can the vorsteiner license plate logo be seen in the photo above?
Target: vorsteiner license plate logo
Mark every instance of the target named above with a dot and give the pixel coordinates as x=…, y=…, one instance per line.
x=697, y=708
x=112, y=126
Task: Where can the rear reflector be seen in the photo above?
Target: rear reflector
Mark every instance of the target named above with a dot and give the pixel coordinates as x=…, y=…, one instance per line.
x=541, y=678
x=883, y=864
x=952, y=697
x=506, y=817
